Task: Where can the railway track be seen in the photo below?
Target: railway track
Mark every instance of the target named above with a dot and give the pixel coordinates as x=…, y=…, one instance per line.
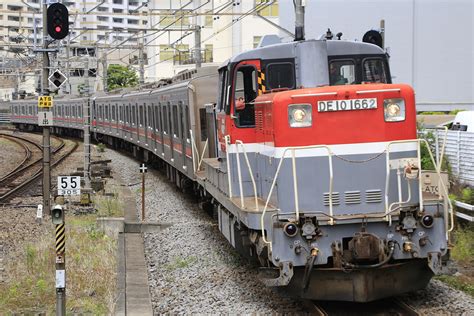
x=385, y=307
x=23, y=177
x=26, y=145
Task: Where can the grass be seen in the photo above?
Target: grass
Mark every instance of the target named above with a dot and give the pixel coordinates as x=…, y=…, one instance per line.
x=108, y=206
x=461, y=283
x=90, y=272
x=463, y=254
x=180, y=263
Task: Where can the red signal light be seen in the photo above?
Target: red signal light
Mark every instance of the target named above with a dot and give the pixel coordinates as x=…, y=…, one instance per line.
x=58, y=29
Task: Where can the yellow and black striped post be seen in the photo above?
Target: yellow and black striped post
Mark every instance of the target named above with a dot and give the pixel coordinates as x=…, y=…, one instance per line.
x=261, y=83
x=60, y=239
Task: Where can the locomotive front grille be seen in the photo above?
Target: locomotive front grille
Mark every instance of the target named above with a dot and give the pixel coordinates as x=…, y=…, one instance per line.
x=335, y=198
x=352, y=197
x=373, y=196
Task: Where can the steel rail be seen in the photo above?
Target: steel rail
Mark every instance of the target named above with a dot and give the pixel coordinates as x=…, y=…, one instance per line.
x=5, y=197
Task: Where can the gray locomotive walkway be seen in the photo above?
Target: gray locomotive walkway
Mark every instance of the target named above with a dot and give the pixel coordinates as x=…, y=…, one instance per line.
x=134, y=294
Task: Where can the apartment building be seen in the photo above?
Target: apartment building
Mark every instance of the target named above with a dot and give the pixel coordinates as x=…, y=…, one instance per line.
x=226, y=28
x=159, y=35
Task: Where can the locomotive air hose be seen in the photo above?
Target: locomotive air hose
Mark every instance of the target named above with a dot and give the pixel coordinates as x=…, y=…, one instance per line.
x=309, y=268
x=391, y=247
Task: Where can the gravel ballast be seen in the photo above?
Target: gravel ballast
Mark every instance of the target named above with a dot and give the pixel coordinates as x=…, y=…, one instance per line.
x=193, y=269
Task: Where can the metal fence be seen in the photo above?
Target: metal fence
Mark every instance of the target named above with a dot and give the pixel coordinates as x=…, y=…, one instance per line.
x=460, y=153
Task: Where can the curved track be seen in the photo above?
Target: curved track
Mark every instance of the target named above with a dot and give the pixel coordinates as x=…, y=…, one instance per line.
x=25, y=176
x=26, y=145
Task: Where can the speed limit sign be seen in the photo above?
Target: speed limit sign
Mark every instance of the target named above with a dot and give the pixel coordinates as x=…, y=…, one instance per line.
x=68, y=185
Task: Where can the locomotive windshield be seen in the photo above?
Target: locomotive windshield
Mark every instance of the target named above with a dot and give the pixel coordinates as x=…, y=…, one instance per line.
x=358, y=70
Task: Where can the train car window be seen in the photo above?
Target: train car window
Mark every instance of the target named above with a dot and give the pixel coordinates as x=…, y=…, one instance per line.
x=157, y=118
x=188, y=124
x=181, y=119
x=141, y=115
x=245, y=92
x=165, y=119
x=127, y=114
x=175, y=121
x=150, y=117
x=168, y=118
x=113, y=112
x=107, y=113
x=120, y=113
x=203, y=122
x=342, y=72
x=280, y=75
x=134, y=114
x=373, y=70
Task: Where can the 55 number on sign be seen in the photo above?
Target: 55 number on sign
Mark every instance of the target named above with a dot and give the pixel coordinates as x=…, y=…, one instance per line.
x=68, y=185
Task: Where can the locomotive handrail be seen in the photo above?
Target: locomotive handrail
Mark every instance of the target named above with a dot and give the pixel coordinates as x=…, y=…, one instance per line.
x=449, y=216
x=195, y=153
x=227, y=143
x=295, y=185
x=237, y=143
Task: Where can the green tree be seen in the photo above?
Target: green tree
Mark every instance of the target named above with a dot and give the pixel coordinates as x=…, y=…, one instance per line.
x=119, y=76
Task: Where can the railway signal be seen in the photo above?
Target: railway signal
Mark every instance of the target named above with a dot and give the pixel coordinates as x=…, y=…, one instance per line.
x=58, y=21
x=57, y=78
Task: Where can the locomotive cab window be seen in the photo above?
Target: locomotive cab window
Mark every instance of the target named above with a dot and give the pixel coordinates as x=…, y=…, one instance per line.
x=342, y=72
x=373, y=70
x=245, y=92
x=280, y=75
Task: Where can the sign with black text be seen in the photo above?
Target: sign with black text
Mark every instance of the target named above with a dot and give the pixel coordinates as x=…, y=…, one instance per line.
x=68, y=185
x=45, y=118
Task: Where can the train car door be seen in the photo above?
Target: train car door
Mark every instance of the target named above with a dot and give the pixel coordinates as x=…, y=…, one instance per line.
x=182, y=134
x=239, y=85
x=174, y=137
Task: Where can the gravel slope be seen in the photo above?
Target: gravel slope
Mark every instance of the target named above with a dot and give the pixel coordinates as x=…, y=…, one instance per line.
x=192, y=269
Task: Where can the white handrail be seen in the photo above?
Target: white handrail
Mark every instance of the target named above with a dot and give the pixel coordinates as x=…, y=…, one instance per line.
x=449, y=214
x=283, y=157
x=193, y=146
x=202, y=155
x=227, y=143
x=238, y=142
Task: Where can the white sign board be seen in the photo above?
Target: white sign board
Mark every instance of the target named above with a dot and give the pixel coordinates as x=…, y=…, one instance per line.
x=68, y=185
x=45, y=118
x=60, y=279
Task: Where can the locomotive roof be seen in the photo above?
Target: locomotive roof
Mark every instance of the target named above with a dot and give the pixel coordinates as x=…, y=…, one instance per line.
x=289, y=49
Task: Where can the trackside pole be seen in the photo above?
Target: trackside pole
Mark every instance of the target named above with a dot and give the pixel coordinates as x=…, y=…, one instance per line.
x=143, y=170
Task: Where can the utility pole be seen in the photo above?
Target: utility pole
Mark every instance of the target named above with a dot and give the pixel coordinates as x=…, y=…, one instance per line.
x=197, y=38
x=382, y=32
x=197, y=44
x=299, y=20
x=46, y=131
x=141, y=62
x=104, y=71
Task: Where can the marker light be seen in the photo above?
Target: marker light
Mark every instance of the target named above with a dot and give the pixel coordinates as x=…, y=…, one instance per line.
x=427, y=221
x=299, y=115
x=290, y=229
x=394, y=110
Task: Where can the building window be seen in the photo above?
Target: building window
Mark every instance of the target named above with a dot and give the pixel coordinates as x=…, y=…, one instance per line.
x=256, y=41
x=208, y=53
x=166, y=52
x=267, y=10
x=169, y=18
x=117, y=20
x=182, y=54
x=208, y=21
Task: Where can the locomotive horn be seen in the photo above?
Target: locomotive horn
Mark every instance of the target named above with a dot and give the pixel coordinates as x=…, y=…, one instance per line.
x=299, y=20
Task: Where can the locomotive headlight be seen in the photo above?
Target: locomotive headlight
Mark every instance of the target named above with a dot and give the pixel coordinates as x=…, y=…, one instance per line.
x=299, y=115
x=394, y=110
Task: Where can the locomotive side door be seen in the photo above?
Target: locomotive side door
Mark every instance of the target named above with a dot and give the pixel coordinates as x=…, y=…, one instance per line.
x=239, y=85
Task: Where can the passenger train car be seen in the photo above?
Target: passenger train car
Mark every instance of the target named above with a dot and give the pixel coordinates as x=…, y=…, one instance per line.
x=307, y=152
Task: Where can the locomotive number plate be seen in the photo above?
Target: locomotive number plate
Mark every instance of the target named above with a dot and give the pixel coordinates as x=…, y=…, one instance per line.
x=347, y=105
